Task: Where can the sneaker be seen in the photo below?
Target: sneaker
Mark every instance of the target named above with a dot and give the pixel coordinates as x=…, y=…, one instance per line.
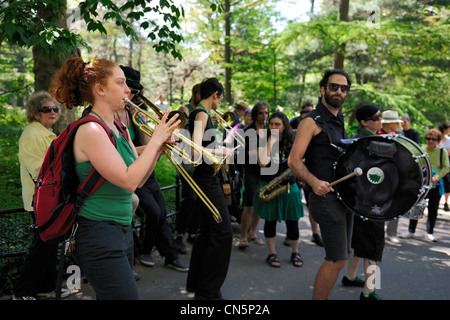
x=357, y=282
x=317, y=240
x=147, y=260
x=446, y=208
x=371, y=296
x=180, y=245
x=406, y=235
x=23, y=298
x=393, y=239
x=52, y=294
x=178, y=265
x=431, y=237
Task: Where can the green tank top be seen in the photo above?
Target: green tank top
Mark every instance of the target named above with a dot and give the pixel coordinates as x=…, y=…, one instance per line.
x=109, y=202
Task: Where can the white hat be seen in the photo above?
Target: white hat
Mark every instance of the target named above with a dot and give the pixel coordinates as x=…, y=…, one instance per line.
x=390, y=116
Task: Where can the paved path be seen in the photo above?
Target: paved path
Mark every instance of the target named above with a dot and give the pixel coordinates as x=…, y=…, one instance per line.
x=416, y=269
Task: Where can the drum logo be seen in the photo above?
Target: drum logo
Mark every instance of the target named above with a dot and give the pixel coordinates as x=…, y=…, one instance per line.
x=375, y=175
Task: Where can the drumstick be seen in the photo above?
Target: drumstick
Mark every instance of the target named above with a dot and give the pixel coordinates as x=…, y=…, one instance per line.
x=357, y=172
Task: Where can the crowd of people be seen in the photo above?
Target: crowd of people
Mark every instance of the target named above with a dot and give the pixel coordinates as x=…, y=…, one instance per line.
x=295, y=156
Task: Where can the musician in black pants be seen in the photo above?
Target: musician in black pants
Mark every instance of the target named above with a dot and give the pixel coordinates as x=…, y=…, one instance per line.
x=211, y=250
x=368, y=235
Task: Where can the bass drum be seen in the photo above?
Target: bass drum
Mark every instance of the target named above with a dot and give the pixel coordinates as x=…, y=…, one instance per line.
x=396, y=176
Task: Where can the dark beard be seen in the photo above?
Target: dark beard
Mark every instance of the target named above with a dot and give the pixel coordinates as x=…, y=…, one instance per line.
x=332, y=101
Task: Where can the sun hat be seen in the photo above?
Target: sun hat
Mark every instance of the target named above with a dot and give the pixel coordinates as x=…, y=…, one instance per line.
x=390, y=116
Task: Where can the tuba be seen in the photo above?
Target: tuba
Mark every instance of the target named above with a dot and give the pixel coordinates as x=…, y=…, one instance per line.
x=274, y=187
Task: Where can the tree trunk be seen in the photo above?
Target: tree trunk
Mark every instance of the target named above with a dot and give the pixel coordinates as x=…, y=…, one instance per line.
x=227, y=53
x=44, y=67
x=339, y=55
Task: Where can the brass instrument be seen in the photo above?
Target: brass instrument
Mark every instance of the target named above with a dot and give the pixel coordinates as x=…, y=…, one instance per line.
x=226, y=120
x=217, y=161
x=159, y=113
x=274, y=187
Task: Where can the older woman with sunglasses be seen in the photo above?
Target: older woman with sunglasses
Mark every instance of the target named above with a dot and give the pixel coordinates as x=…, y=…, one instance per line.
x=440, y=166
x=39, y=270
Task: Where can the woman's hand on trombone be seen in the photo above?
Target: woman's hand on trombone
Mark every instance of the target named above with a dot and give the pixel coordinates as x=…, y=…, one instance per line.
x=162, y=133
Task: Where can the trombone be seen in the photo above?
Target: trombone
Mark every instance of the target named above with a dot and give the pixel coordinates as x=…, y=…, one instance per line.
x=226, y=119
x=217, y=161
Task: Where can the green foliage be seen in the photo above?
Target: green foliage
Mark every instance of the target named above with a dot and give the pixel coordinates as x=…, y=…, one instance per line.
x=12, y=122
x=42, y=24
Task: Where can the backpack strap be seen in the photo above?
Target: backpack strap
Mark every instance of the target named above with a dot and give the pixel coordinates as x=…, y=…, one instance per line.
x=94, y=180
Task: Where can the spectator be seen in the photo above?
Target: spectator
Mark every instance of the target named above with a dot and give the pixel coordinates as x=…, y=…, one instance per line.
x=38, y=275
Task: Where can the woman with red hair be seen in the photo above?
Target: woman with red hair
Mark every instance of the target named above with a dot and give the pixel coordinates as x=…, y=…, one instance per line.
x=104, y=241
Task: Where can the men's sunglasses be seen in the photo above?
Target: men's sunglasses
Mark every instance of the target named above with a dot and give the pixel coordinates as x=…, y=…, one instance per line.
x=431, y=139
x=135, y=91
x=334, y=87
x=47, y=109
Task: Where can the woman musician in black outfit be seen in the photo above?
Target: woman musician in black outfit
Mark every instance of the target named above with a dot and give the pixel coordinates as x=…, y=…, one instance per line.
x=211, y=250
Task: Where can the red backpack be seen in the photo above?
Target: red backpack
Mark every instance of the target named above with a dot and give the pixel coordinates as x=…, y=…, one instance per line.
x=59, y=195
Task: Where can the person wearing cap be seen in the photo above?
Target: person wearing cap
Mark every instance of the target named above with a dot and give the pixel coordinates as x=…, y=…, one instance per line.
x=407, y=131
x=368, y=235
x=151, y=200
x=389, y=125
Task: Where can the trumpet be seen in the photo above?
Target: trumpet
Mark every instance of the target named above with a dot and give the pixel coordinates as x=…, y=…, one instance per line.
x=145, y=128
x=226, y=120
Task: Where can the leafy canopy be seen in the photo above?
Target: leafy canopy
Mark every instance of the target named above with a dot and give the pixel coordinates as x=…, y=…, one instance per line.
x=43, y=23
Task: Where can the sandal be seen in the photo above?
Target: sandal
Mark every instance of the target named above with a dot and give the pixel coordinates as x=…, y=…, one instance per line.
x=243, y=244
x=273, y=261
x=296, y=259
x=257, y=241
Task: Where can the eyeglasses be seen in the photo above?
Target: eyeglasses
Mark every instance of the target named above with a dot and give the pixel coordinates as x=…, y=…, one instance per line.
x=47, y=109
x=334, y=87
x=263, y=112
x=135, y=91
x=374, y=118
x=431, y=139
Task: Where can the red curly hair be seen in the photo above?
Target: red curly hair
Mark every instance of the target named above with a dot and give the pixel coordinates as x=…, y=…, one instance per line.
x=72, y=85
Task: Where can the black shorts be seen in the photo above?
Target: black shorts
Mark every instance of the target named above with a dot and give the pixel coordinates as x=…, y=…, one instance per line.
x=368, y=238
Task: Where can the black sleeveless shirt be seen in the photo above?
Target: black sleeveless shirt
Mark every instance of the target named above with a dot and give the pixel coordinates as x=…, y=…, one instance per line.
x=325, y=148
x=209, y=140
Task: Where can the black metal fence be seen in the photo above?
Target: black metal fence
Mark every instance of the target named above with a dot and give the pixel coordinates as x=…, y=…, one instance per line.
x=15, y=237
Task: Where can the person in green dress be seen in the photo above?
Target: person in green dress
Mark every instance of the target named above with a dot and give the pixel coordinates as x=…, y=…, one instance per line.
x=287, y=206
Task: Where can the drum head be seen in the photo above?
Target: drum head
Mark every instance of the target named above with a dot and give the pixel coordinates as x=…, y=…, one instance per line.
x=391, y=179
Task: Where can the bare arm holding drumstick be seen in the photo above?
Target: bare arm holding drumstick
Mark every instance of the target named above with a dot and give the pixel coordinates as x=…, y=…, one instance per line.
x=305, y=132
